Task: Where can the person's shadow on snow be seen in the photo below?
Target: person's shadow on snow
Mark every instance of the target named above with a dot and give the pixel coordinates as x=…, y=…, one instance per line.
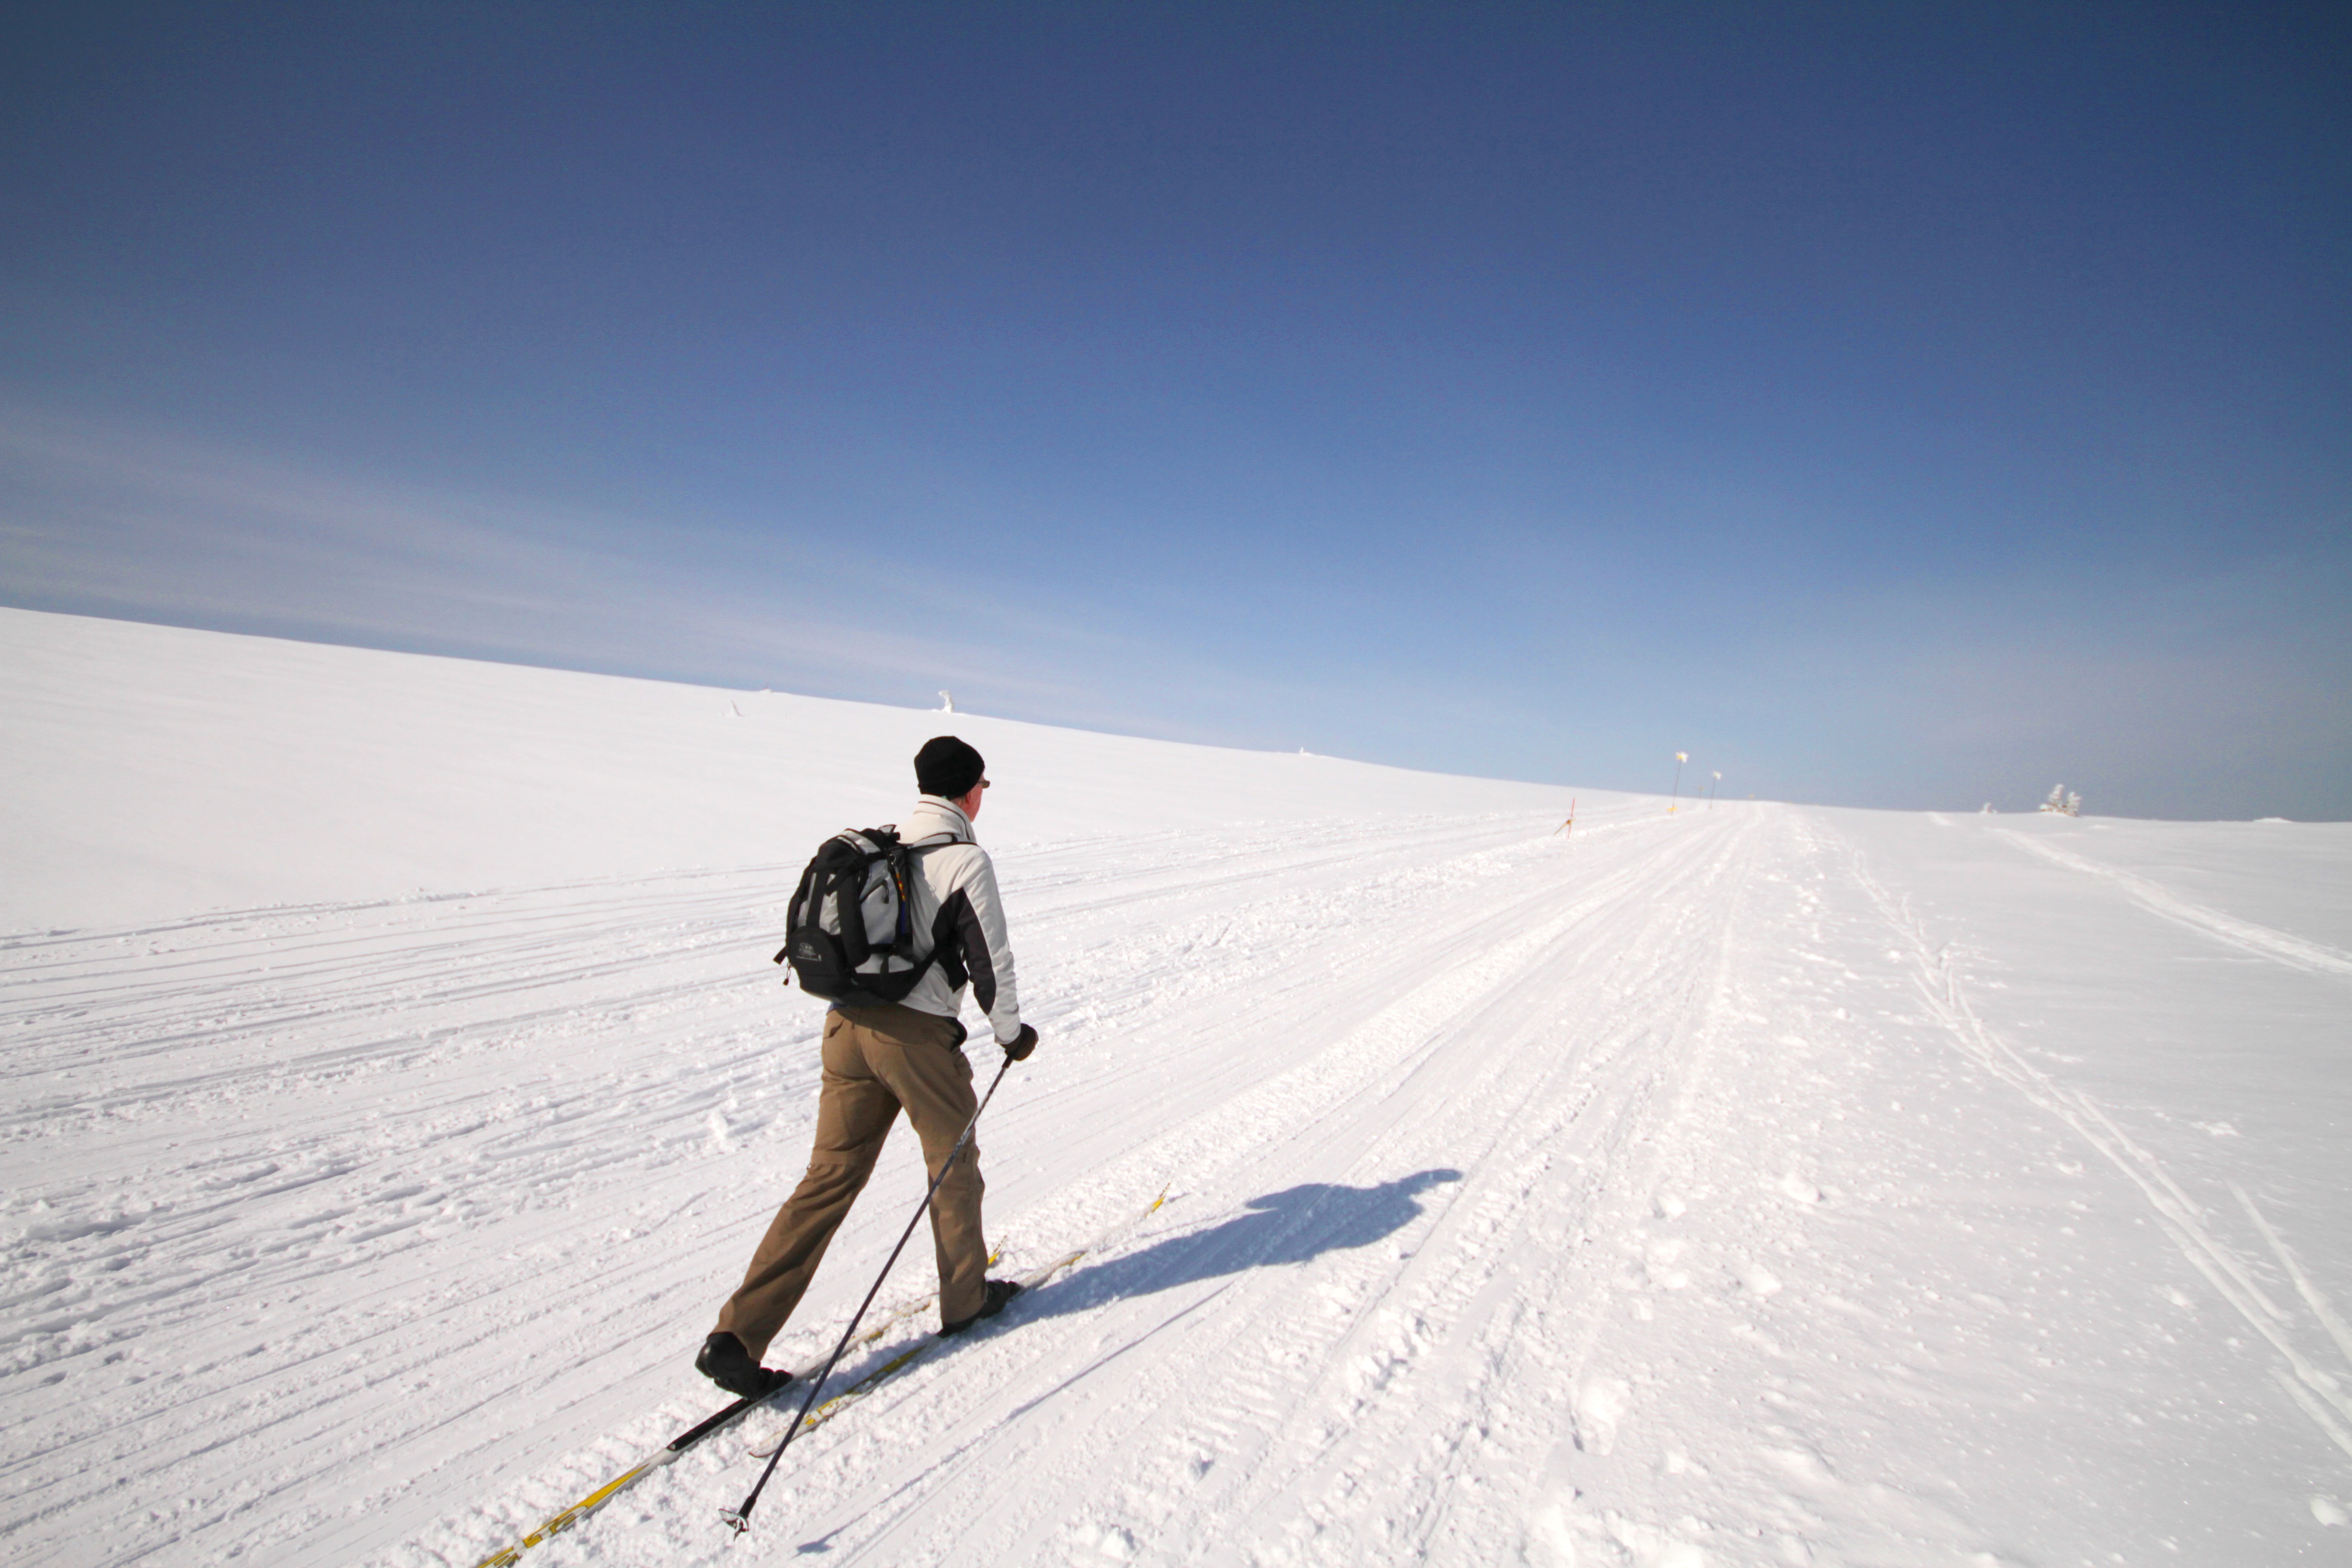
x=1294, y=1226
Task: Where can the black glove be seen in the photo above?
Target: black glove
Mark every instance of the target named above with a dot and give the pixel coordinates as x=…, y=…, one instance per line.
x=1018, y=1048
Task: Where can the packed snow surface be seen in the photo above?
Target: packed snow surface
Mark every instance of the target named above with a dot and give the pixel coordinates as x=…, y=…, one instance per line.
x=397, y=1082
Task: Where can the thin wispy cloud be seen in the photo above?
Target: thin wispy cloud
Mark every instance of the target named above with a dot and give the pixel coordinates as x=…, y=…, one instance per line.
x=107, y=519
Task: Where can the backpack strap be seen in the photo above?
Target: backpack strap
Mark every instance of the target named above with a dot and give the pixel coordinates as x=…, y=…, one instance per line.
x=844, y=876
x=902, y=868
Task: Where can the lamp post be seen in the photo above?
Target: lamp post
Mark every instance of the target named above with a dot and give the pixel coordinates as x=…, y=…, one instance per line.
x=1676, y=799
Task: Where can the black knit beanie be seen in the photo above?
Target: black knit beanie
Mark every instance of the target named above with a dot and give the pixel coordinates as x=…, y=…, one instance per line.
x=947, y=768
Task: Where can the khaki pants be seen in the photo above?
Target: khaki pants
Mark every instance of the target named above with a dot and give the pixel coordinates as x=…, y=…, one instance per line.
x=877, y=1059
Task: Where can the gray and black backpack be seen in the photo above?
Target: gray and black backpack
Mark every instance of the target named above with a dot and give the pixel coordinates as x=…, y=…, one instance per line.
x=875, y=954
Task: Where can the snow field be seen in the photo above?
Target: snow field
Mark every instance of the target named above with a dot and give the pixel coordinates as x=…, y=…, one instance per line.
x=1760, y=1185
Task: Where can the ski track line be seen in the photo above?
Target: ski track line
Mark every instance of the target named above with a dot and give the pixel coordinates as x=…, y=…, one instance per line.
x=2320, y=1305
x=1615, y=1091
x=2319, y=1394
x=1478, y=1028
x=2244, y=935
x=1615, y=1192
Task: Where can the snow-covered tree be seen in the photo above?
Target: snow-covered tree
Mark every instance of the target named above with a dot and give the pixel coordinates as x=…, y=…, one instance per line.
x=2062, y=804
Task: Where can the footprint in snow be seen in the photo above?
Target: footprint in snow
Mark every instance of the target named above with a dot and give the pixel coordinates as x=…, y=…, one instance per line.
x=1804, y=1467
x=1601, y=1404
x=1799, y=1190
x=1107, y=1541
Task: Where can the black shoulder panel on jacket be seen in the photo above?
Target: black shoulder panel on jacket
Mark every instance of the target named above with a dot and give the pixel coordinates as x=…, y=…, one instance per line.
x=947, y=941
x=957, y=914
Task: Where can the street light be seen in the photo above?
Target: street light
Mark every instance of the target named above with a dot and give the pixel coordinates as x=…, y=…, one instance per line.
x=1676, y=799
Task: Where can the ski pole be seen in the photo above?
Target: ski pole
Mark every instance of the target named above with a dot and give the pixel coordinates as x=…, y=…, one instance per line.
x=740, y=1518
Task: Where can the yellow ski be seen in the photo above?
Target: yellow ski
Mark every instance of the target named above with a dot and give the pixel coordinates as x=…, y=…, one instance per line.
x=557, y=1524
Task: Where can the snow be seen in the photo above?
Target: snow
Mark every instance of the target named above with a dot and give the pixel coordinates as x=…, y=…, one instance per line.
x=397, y=1082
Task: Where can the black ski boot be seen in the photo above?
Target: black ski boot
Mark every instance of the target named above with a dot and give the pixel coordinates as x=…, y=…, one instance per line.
x=999, y=1292
x=724, y=1361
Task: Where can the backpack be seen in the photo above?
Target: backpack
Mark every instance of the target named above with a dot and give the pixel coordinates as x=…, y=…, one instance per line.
x=870, y=959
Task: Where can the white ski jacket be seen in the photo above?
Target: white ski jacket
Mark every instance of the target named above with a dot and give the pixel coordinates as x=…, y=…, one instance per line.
x=955, y=900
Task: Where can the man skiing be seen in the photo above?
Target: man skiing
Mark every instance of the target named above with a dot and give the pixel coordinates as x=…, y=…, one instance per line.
x=881, y=1058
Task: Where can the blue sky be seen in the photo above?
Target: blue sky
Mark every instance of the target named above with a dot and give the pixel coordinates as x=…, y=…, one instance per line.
x=1889, y=405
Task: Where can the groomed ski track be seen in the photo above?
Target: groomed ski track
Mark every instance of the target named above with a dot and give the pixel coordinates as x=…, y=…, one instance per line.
x=411, y=1213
